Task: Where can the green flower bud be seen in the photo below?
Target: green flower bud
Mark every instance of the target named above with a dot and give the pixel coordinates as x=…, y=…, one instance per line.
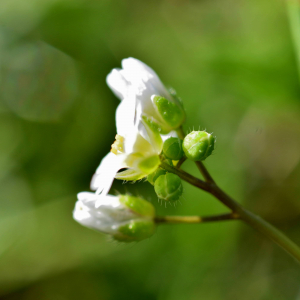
x=172, y=148
x=152, y=177
x=168, y=187
x=171, y=112
x=135, y=230
x=198, y=145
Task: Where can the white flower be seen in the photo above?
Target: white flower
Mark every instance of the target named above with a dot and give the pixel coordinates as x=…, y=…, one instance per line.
x=124, y=217
x=147, y=110
x=155, y=106
x=130, y=150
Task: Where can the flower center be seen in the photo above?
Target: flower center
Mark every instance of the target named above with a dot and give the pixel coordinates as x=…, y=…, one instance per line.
x=118, y=146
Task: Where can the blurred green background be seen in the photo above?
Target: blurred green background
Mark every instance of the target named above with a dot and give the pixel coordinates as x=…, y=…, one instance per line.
x=233, y=63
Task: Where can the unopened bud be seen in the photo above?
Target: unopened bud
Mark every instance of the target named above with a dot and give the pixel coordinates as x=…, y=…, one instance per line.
x=198, y=145
x=125, y=218
x=168, y=187
x=172, y=148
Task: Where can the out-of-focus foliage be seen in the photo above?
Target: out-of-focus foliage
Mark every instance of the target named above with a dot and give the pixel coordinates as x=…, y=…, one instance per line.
x=38, y=82
x=234, y=66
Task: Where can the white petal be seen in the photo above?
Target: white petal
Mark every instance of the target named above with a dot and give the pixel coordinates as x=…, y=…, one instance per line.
x=86, y=214
x=117, y=83
x=125, y=115
x=133, y=140
x=144, y=83
x=136, y=71
x=89, y=199
x=105, y=173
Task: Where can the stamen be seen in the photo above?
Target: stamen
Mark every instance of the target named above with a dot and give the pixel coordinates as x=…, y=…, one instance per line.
x=118, y=146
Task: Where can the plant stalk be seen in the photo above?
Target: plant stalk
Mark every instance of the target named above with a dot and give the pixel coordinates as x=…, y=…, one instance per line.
x=181, y=161
x=195, y=219
x=250, y=218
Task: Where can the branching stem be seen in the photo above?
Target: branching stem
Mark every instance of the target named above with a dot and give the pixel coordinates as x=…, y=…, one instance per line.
x=204, y=171
x=181, y=161
x=236, y=209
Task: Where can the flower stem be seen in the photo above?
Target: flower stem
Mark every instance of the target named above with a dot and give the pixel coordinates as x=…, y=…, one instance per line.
x=195, y=219
x=185, y=176
x=181, y=161
x=250, y=218
x=204, y=171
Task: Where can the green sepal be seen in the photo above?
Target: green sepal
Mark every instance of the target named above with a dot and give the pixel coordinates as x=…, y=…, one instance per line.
x=138, y=205
x=155, y=125
x=130, y=175
x=135, y=230
x=170, y=112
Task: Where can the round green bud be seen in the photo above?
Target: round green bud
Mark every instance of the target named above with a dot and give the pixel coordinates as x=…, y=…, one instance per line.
x=198, y=145
x=153, y=176
x=168, y=187
x=135, y=230
x=172, y=148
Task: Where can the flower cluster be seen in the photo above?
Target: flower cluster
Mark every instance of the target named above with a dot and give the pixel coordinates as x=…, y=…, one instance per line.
x=147, y=146
x=147, y=116
x=147, y=110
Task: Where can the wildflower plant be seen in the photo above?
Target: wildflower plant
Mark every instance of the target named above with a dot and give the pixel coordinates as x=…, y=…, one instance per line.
x=151, y=143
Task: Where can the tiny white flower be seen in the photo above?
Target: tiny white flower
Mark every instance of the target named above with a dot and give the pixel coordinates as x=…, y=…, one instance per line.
x=126, y=218
x=109, y=214
x=130, y=150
